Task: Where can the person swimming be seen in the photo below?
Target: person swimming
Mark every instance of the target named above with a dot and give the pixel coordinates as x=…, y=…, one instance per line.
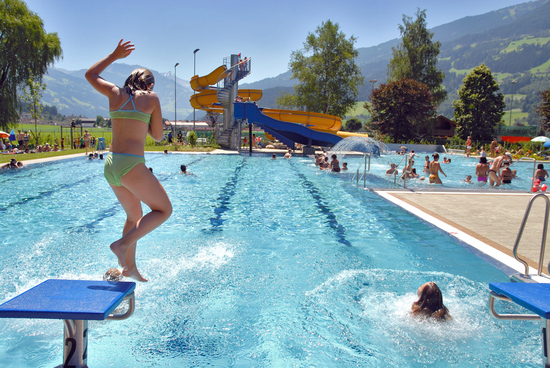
x=430, y=303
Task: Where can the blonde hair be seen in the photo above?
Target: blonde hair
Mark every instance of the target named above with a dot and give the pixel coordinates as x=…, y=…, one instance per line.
x=139, y=80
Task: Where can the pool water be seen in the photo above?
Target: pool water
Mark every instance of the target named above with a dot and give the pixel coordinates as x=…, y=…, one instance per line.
x=263, y=263
x=456, y=171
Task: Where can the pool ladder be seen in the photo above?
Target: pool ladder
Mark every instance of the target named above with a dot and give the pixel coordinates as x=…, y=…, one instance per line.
x=543, y=241
x=366, y=164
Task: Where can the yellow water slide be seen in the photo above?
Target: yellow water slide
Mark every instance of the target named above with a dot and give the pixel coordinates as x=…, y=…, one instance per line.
x=319, y=122
x=200, y=83
x=313, y=120
x=206, y=97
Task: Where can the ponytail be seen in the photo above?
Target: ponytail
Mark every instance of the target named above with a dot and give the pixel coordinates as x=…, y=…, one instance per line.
x=139, y=80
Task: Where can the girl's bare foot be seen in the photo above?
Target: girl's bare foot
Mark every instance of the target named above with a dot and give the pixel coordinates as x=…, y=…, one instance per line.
x=134, y=274
x=120, y=253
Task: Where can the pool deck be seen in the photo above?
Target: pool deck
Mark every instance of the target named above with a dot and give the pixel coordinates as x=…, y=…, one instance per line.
x=482, y=219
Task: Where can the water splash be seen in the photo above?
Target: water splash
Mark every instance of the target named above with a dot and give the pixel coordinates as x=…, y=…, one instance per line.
x=353, y=145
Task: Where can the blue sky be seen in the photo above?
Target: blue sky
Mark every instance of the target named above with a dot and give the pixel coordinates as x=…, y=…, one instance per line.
x=166, y=32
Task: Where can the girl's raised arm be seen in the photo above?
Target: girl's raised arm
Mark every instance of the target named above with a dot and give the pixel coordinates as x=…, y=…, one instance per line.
x=104, y=87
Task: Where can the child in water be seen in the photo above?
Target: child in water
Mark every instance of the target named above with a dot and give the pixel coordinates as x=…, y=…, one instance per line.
x=430, y=303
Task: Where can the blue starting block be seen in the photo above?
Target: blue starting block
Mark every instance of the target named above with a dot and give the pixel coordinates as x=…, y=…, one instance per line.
x=75, y=302
x=533, y=297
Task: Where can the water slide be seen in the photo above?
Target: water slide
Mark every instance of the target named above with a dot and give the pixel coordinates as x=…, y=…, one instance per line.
x=288, y=126
x=289, y=132
x=206, y=97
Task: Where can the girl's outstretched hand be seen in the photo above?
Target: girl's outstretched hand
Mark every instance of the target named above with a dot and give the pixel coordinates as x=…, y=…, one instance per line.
x=123, y=49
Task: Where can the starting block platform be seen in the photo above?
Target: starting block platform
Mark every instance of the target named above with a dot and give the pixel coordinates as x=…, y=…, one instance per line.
x=75, y=302
x=531, y=296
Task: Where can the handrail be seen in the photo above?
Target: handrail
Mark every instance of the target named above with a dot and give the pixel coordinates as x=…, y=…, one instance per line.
x=544, y=231
x=131, y=306
x=394, y=175
x=534, y=169
x=365, y=170
x=523, y=317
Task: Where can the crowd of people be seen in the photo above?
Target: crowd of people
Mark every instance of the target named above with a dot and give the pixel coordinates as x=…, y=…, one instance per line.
x=495, y=171
x=322, y=161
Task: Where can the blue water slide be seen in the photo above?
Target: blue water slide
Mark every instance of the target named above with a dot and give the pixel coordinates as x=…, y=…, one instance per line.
x=285, y=132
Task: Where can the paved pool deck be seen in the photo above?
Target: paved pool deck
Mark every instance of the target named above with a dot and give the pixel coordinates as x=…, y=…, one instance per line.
x=490, y=219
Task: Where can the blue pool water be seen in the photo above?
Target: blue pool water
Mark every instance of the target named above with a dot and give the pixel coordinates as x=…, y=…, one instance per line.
x=262, y=264
x=456, y=171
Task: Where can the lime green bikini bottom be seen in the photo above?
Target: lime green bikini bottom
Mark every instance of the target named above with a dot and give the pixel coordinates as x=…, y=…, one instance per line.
x=119, y=164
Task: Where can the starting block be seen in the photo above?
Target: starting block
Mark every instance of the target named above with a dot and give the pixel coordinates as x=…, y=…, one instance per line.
x=531, y=296
x=75, y=302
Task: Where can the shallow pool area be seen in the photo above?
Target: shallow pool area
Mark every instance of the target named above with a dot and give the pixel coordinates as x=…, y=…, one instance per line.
x=456, y=172
x=266, y=263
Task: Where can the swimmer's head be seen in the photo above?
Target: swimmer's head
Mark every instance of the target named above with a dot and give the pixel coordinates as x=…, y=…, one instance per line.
x=183, y=168
x=112, y=274
x=430, y=302
x=140, y=80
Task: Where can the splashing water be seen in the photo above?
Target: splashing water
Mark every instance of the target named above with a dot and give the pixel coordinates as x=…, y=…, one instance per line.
x=352, y=145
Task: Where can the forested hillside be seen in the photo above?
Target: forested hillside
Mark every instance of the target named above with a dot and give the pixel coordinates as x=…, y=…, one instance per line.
x=514, y=42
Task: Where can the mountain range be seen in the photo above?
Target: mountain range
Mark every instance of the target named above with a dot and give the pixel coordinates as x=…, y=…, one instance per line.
x=514, y=42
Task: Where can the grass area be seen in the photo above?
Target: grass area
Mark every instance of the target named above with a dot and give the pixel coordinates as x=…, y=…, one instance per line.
x=357, y=110
x=516, y=114
x=514, y=45
x=4, y=158
x=541, y=68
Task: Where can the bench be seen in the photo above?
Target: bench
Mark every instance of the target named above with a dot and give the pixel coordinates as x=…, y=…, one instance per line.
x=75, y=302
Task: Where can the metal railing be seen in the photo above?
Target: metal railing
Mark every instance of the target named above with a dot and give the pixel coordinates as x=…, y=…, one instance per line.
x=365, y=170
x=403, y=175
x=544, y=231
x=534, y=169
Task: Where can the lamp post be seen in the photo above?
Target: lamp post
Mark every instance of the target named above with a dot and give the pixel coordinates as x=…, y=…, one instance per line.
x=175, y=99
x=194, y=73
x=512, y=101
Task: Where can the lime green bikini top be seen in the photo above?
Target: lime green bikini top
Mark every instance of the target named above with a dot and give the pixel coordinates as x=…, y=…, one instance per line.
x=130, y=114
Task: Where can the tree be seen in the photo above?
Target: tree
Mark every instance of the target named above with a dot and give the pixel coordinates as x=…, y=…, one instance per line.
x=327, y=74
x=192, y=138
x=543, y=109
x=26, y=50
x=416, y=56
x=32, y=97
x=480, y=105
x=353, y=125
x=402, y=110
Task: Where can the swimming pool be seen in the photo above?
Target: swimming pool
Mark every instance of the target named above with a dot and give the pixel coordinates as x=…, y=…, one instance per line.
x=262, y=263
x=456, y=171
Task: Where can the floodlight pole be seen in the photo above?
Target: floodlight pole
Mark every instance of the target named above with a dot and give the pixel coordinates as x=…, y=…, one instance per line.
x=194, y=73
x=175, y=99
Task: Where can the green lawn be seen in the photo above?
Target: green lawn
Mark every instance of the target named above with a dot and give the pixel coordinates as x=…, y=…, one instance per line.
x=526, y=41
x=516, y=114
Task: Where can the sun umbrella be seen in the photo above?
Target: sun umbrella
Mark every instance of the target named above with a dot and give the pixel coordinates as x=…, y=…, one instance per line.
x=546, y=144
x=541, y=139
x=3, y=134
